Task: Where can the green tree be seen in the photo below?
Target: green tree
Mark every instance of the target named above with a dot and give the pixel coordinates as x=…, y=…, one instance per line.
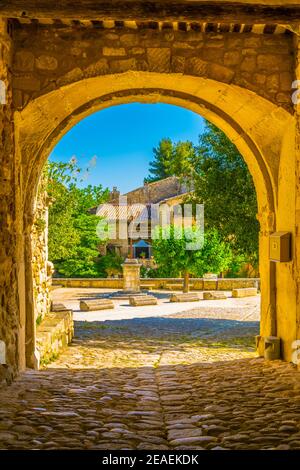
x=171, y=159
x=223, y=183
x=171, y=250
x=111, y=264
x=73, y=242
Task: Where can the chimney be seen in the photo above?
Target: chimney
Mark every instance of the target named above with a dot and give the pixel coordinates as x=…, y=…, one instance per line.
x=114, y=194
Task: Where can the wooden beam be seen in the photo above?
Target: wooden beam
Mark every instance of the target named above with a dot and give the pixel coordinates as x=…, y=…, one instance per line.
x=146, y=10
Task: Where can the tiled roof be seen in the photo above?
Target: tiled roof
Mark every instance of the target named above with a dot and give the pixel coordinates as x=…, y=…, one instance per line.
x=111, y=212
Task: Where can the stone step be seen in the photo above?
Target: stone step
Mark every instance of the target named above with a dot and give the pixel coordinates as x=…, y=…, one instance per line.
x=96, y=304
x=215, y=295
x=185, y=297
x=142, y=300
x=244, y=292
x=54, y=333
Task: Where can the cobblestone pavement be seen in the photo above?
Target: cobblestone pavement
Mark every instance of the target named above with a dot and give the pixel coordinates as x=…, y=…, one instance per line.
x=186, y=381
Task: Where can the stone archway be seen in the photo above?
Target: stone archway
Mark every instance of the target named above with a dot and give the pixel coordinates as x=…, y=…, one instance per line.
x=261, y=131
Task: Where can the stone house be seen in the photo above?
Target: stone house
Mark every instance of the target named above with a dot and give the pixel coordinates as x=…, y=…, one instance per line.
x=136, y=212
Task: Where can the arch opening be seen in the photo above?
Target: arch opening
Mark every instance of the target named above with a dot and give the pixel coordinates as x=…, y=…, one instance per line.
x=243, y=116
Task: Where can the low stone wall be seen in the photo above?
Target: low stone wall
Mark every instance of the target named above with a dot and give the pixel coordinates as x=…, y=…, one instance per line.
x=106, y=283
x=161, y=283
x=54, y=334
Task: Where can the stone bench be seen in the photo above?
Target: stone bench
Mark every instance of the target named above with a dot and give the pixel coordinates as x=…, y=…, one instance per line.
x=148, y=286
x=58, y=307
x=96, y=304
x=215, y=295
x=185, y=297
x=244, y=292
x=138, y=301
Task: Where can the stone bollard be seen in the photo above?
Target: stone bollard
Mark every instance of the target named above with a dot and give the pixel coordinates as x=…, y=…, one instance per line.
x=131, y=275
x=272, y=348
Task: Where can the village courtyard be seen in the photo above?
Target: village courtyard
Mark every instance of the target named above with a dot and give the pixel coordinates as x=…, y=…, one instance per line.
x=171, y=376
x=149, y=228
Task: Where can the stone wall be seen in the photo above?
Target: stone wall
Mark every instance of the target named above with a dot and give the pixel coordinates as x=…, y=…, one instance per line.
x=155, y=192
x=48, y=57
x=160, y=283
x=9, y=299
x=41, y=268
x=59, y=73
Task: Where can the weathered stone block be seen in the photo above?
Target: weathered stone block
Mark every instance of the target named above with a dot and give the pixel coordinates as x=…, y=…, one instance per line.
x=119, y=66
x=234, y=41
x=129, y=40
x=185, y=297
x=58, y=307
x=285, y=81
x=213, y=54
x=114, y=51
x=182, y=45
x=71, y=76
x=27, y=83
x=137, y=50
x=24, y=61
x=246, y=292
x=218, y=72
x=54, y=334
x=98, y=68
x=232, y=58
x=178, y=64
x=283, y=98
x=138, y=301
x=216, y=295
x=159, y=59
x=112, y=36
x=131, y=275
x=259, y=78
x=6, y=375
x=272, y=83
x=254, y=41
x=195, y=66
x=270, y=62
x=96, y=304
x=248, y=64
x=45, y=62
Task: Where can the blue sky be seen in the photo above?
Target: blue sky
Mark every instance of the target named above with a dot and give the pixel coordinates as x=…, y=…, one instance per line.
x=122, y=138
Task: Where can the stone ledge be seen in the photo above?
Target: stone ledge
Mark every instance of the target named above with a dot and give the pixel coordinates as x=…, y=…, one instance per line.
x=54, y=334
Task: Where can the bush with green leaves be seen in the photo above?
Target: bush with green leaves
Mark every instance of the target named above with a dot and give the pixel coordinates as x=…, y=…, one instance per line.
x=111, y=265
x=221, y=181
x=171, y=250
x=73, y=241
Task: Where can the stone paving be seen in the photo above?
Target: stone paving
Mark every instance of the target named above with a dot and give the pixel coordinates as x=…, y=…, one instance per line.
x=189, y=380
